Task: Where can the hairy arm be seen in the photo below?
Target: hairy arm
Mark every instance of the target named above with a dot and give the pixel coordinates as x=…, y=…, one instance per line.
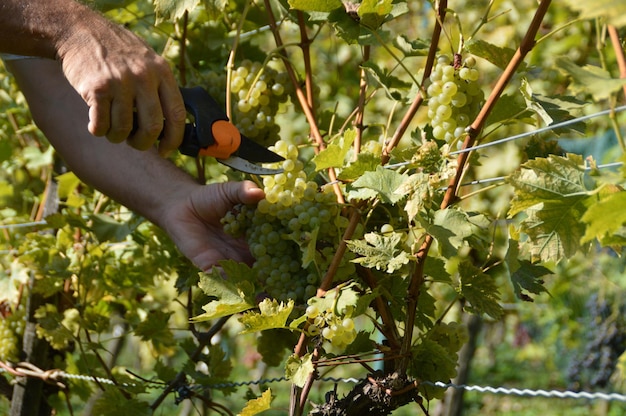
x=141, y=180
x=113, y=70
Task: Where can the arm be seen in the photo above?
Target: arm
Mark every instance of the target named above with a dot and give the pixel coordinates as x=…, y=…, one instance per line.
x=143, y=181
x=112, y=69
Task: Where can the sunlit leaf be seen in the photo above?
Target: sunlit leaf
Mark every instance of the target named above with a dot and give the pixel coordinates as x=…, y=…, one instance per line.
x=298, y=369
x=373, y=12
x=480, y=290
x=605, y=217
x=380, y=251
x=335, y=154
x=614, y=12
x=497, y=55
x=258, y=405
x=315, y=5
x=272, y=314
x=172, y=10
x=381, y=183
x=231, y=298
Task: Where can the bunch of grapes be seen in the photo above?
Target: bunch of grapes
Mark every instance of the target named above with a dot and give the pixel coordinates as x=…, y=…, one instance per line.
x=454, y=97
x=11, y=330
x=293, y=233
x=338, y=330
x=259, y=90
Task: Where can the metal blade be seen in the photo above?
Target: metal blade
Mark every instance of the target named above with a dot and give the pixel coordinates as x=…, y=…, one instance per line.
x=254, y=152
x=243, y=165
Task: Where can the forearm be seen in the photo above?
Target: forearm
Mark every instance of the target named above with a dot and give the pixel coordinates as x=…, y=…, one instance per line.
x=140, y=180
x=42, y=27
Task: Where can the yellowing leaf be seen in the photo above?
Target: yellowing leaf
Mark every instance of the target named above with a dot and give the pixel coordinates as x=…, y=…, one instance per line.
x=379, y=251
x=258, y=405
x=315, y=5
x=272, y=315
x=373, y=12
x=173, y=10
x=335, y=153
x=298, y=369
x=605, y=217
x=231, y=298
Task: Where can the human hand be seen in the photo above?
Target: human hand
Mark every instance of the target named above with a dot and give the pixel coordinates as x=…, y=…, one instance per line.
x=117, y=74
x=194, y=225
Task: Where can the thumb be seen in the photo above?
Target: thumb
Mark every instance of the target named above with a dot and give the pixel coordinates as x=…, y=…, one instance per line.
x=246, y=192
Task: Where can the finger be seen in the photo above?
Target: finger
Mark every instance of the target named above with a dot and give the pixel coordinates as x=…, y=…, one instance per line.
x=149, y=122
x=174, y=113
x=121, y=119
x=99, y=118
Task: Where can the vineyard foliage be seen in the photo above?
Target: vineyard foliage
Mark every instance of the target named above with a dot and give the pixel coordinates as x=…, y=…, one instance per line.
x=400, y=211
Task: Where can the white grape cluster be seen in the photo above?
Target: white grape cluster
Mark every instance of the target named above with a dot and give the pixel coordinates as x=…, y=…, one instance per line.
x=259, y=90
x=338, y=330
x=454, y=97
x=10, y=327
x=293, y=233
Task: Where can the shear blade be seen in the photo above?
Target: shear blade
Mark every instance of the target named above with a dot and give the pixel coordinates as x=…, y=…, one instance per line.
x=244, y=165
x=254, y=152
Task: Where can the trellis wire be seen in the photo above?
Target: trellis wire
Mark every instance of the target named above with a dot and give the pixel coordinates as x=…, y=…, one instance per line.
x=559, y=394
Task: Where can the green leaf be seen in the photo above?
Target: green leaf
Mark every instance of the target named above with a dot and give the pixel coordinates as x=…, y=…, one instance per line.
x=552, y=192
x=298, y=369
x=432, y=362
x=408, y=47
x=390, y=84
x=419, y=193
x=480, y=290
x=590, y=79
x=155, y=328
x=342, y=300
x=11, y=281
x=528, y=277
x=334, y=155
x=605, y=217
x=315, y=5
x=172, y=10
x=258, y=405
x=497, y=55
x=272, y=315
x=614, y=12
x=112, y=402
x=365, y=162
x=374, y=12
x=274, y=344
x=381, y=183
x=231, y=297
x=108, y=229
x=380, y=251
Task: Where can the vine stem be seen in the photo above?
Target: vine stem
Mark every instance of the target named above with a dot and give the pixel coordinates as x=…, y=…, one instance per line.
x=419, y=98
x=358, y=119
x=619, y=52
x=302, y=98
x=450, y=196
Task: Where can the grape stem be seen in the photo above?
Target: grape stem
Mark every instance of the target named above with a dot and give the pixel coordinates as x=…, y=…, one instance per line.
x=419, y=98
x=450, y=196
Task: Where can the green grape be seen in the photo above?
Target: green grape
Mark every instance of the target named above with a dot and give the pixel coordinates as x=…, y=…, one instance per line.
x=8, y=341
x=454, y=97
x=293, y=222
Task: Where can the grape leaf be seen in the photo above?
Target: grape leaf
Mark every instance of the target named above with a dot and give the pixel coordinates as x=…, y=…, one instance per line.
x=112, y=402
x=272, y=315
x=380, y=183
x=340, y=300
x=315, y=5
x=372, y=13
x=480, y=290
x=605, y=217
x=364, y=162
x=419, y=193
x=298, y=369
x=553, y=110
x=390, y=84
x=232, y=297
x=156, y=330
x=590, y=79
x=380, y=251
x=432, y=362
x=525, y=276
x=273, y=344
x=172, y=10
x=613, y=11
x=108, y=229
x=497, y=55
x=553, y=194
x=333, y=156
x=408, y=47
x=10, y=282
x=258, y=405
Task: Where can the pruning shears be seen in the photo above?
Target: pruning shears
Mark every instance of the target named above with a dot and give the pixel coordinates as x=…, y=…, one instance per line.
x=212, y=134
